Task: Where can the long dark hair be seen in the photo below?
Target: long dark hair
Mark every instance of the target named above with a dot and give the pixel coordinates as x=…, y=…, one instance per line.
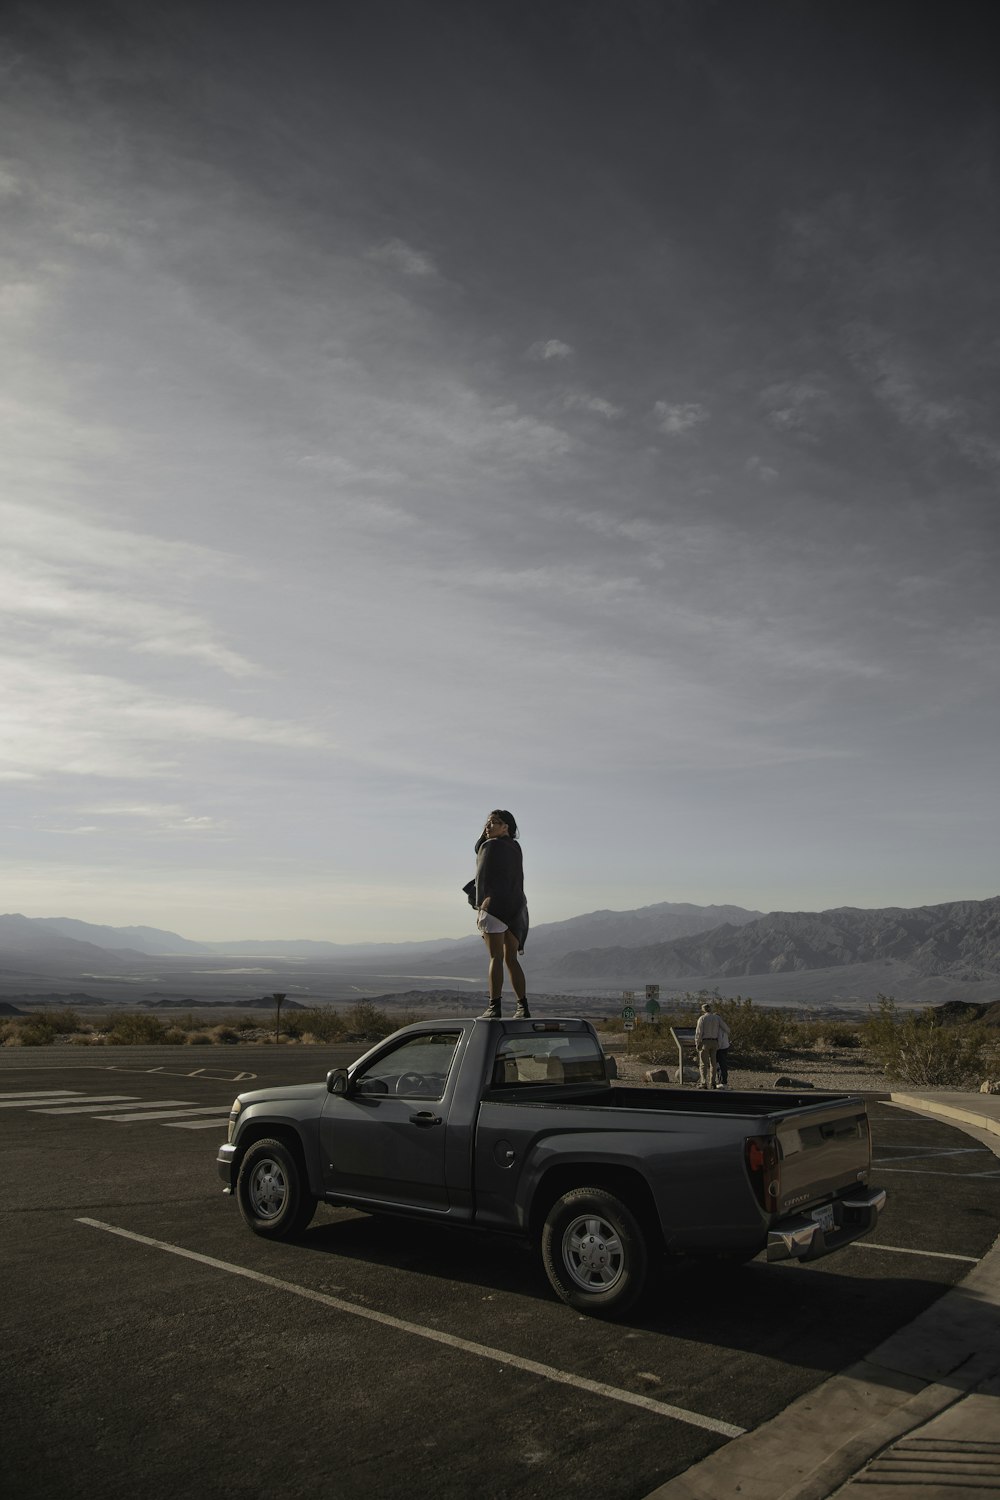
x=505, y=817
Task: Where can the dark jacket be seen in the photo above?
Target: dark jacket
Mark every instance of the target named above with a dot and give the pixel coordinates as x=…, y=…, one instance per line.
x=500, y=876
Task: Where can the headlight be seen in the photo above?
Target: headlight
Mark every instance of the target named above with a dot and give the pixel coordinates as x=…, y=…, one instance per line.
x=233, y=1117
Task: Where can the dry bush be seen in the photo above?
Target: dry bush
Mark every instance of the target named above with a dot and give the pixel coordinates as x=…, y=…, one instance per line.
x=318, y=1024
x=917, y=1049
x=135, y=1029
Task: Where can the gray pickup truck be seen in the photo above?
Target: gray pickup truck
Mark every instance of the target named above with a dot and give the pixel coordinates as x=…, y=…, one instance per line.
x=515, y=1127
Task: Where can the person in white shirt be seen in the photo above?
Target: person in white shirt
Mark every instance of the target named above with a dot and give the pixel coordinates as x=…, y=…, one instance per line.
x=706, y=1041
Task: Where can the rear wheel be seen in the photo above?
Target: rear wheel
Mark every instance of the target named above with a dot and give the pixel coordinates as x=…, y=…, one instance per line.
x=272, y=1192
x=594, y=1252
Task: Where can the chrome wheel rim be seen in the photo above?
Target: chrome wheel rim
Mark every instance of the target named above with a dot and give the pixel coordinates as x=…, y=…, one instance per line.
x=267, y=1189
x=593, y=1253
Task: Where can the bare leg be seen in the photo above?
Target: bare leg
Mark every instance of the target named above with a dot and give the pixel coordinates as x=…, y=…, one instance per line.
x=513, y=966
x=495, y=944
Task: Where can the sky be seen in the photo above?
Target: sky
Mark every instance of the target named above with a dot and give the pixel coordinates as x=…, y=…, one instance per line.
x=415, y=408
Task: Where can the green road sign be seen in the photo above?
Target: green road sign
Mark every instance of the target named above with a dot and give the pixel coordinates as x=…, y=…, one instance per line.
x=628, y=1013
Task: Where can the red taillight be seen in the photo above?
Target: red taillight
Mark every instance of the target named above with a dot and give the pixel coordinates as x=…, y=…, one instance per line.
x=763, y=1158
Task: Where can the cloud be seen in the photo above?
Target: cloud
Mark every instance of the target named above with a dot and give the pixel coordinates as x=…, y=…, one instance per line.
x=756, y=466
x=801, y=407
x=58, y=720
x=899, y=382
x=95, y=585
x=157, y=817
x=400, y=256
x=675, y=419
x=579, y=401
x=550, y=349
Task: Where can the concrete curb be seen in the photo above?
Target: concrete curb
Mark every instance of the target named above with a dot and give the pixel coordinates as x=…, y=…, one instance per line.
x=823, y=1439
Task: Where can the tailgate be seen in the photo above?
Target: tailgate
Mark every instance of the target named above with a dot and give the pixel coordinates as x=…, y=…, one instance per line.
x=824, y=1149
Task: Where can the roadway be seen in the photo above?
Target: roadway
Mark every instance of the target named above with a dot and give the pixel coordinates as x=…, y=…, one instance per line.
x=151, y=1343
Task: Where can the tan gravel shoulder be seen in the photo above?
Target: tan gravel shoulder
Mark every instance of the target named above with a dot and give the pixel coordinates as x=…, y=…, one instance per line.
x=846, y=1071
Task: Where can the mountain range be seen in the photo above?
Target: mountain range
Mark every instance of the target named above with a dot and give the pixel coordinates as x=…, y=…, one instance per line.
x=930, y=953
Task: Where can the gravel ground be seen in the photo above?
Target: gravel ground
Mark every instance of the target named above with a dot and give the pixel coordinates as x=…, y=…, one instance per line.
x=848, y=1071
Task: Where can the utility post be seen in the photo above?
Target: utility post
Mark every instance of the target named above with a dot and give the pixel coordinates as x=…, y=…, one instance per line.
x=277, y=1015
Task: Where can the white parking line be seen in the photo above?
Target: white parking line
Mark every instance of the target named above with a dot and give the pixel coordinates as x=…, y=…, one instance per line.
x=904, y=1250
x=39, y=1094
x=221, y=1122
x=929, y=1153
x=930, y=1172
x=153, y=1113
x=113, y=1101
x=481, y=1351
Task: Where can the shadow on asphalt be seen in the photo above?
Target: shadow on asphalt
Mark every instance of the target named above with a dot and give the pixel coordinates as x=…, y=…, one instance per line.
x=813, y=1317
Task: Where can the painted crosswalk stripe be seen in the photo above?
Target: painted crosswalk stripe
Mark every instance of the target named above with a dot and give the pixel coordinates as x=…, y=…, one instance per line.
x=94, y=1101
x=15, y=1099
x=113, y=1101
x=174, y=1114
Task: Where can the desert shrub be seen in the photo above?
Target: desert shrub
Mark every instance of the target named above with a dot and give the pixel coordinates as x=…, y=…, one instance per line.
x=226, y=1035
x=824, y=1035
x=135, y=1028
x=197, y=1039
x=755, y=1033
x=366, y=1021
x=408, y=1018
x=66, y=1021
x=322, y=1024
x=36, y=1031
x=175, y=1036
x=916, y=1048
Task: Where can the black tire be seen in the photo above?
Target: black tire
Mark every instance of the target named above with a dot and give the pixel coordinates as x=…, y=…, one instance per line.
x=272, y=1192
x=595, y=1252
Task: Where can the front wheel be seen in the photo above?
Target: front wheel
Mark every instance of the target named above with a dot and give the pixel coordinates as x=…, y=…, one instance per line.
x=272, y=1193
x=594, y=1252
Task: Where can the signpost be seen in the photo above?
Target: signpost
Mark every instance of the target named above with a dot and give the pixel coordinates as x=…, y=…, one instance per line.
x=628, y=1015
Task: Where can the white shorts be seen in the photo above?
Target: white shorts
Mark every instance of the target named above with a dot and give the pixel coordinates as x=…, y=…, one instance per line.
x=486, y=923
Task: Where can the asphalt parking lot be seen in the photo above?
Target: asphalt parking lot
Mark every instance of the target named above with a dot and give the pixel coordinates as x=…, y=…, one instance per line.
x=151, y=1343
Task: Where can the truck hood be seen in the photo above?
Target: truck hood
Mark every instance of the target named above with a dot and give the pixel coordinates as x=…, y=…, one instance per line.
x=301, y=1092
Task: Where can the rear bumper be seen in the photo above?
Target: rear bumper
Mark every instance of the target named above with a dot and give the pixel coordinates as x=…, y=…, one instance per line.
x=803, y=1237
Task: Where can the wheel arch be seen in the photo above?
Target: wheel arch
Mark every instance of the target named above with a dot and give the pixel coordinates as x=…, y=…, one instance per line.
x=268, y=1130
x=625, y=1183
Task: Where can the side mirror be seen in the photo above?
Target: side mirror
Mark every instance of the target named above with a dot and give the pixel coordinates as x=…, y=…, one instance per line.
x=337, y=1081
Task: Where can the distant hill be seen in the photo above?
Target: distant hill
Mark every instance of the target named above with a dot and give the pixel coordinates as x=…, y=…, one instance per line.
x=28, y=942
x=959, y=940
x=549, y=942
x=149, y=940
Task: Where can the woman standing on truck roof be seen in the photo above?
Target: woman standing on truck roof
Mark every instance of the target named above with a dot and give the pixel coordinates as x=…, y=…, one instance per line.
x=497, y=893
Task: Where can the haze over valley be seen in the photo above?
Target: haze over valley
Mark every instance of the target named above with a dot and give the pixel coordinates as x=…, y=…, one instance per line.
x=840, y=958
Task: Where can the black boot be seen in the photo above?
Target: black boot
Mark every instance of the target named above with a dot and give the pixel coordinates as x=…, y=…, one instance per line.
x=522, y=1013
x=492, y=1011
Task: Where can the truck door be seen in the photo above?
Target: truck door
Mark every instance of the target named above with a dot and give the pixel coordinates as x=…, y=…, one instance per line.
x=385, y=1139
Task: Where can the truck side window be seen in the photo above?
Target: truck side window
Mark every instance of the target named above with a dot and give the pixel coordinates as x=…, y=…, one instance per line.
x=417, y=1068
x=547, y=1059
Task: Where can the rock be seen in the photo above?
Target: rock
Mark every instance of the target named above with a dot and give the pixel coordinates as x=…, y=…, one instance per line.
x=792, y=1083
x=990, y=1086
x=658, y=1075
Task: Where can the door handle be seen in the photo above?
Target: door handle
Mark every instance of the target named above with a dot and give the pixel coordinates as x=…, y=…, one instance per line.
x=425, y=1118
